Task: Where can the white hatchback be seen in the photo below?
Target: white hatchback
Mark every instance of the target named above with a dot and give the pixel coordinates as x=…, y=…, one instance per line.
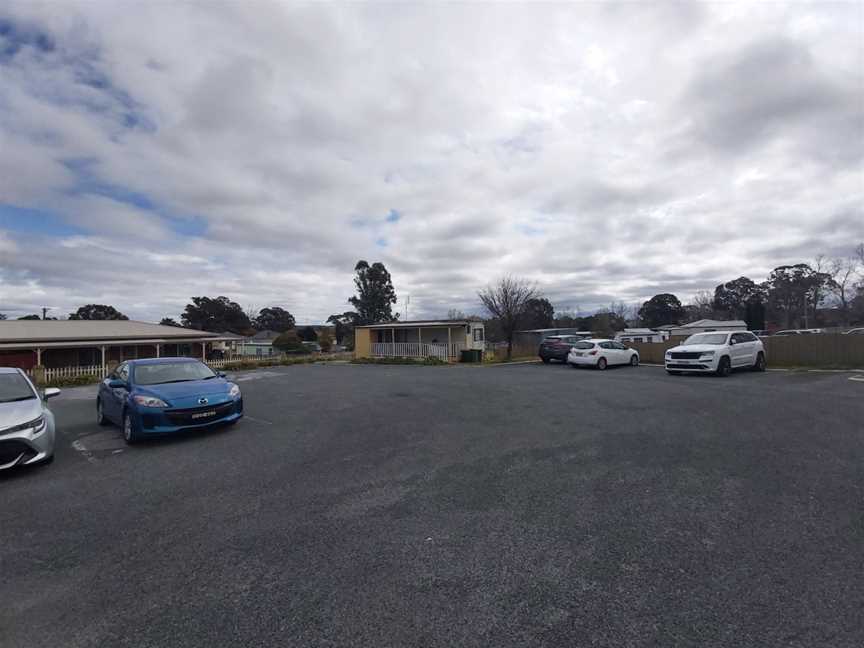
x=717, y=352
x=601, y=354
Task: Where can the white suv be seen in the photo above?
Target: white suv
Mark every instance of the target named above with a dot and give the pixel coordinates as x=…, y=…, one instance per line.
x=717, y=352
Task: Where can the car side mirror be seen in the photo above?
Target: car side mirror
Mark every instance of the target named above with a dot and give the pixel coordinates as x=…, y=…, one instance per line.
x=116, y=383
x=221, y=374
x=50, y=392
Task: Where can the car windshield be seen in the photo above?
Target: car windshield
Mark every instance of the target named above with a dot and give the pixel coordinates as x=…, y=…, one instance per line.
x=706, y=338
x=167, y=372
x=14, y=387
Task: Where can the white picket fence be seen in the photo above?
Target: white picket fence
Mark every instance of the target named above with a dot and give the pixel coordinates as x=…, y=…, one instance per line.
x=416, y=350
x=56, y=373
x=223, y=362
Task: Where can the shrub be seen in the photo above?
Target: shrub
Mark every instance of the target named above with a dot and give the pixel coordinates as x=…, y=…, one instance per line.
x=325, y=341
x=289, y=342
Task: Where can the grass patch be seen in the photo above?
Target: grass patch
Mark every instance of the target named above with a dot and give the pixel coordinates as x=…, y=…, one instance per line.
x=400, y=361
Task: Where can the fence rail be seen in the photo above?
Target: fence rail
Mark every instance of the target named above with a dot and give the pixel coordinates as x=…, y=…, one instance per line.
x=822, y=350
x=442, y=351
x=56, y=373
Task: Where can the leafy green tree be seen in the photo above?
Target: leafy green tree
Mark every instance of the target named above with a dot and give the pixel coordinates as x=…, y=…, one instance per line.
x=217, y=315
x=307, y=334
x=375, y=294
x=30, y=317
x=274, y=319
x=288, y=342
x=664, y=308
x=343, y=325
x=97, y=312
x=2, y=316
x=539, y=314
x=795, y=291
x=170, y=321
x=733, y=296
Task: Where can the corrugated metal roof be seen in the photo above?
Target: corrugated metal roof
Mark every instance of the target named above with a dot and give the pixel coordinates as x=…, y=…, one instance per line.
x=12, y=331
x=415, y=324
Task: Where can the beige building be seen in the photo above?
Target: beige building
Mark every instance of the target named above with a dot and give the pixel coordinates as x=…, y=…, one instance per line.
x=442, y=339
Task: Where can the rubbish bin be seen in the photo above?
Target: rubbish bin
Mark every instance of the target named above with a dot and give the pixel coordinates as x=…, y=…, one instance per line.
x=471, y=355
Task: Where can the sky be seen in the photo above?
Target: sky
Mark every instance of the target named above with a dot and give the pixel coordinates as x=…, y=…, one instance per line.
x=151, y=152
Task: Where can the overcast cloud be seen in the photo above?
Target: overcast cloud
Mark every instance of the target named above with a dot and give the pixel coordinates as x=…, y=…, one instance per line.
x=155, y=152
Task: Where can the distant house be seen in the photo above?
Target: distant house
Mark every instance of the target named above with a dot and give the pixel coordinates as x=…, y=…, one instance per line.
x=707, y=325
x=533, y=337
x=260, y=344
x=442, y=339
x=642, y=335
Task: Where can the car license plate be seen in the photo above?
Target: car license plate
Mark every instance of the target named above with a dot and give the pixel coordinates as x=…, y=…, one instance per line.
x=579, y=353
x=200, y=415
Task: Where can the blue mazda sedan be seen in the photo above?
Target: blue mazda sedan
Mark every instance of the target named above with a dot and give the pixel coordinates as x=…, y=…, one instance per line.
x=166, y=395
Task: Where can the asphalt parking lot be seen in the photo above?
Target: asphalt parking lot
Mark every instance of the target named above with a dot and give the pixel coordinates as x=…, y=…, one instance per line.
x=523, y=505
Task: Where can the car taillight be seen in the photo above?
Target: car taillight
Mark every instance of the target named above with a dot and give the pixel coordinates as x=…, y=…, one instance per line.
x=594, y=352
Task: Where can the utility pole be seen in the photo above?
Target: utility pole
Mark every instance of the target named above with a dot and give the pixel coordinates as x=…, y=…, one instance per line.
x=44, y=312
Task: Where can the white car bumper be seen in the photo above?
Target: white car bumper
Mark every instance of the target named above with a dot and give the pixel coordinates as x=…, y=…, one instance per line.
x=586, y=360
x=703, y=365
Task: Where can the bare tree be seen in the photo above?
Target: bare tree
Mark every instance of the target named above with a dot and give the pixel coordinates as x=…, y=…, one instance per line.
x=843, y=274
x=703, y=304
x=251, y=311
x=455, y=314
x=506, y=300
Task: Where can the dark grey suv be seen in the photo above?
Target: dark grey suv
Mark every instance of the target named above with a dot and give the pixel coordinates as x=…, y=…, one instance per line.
x=556, y=347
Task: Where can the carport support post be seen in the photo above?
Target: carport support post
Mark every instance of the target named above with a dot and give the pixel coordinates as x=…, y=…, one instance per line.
x=448, y=343
x=203, y=351
x=393, y=342
x=104, y=369
x=158, y=349
x=38, y=357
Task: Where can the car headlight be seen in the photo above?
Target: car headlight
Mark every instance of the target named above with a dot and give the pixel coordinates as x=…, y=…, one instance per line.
x=706, y=354
x=37, y=425
x=149, y=401
x=234, y=392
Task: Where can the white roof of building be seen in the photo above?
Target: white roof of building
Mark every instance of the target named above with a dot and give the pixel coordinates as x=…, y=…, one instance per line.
x=708, y=323
x=639, y=331
x=57, y=331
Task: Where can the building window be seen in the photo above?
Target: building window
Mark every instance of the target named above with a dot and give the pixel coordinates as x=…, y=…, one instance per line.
x=478, y=335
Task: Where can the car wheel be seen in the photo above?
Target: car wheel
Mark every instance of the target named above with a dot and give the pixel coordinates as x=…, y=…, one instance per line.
x=760, y=362
x=634, y=360
x=129, y=435
x=100, y=415
x=725, y=367
x=601, y=364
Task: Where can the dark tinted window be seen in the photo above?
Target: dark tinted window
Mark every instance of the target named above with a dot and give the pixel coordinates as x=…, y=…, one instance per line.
x=607, y=345
x=583, y=345
x=15, y=387
x=154, y=374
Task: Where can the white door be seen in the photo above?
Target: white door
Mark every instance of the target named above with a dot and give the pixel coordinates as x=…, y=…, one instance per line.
x=740, y=350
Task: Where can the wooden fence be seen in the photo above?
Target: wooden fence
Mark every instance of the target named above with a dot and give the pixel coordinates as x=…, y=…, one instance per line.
x=827, y=350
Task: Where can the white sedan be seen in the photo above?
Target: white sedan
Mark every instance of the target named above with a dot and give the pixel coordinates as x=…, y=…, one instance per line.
x=601, y=354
